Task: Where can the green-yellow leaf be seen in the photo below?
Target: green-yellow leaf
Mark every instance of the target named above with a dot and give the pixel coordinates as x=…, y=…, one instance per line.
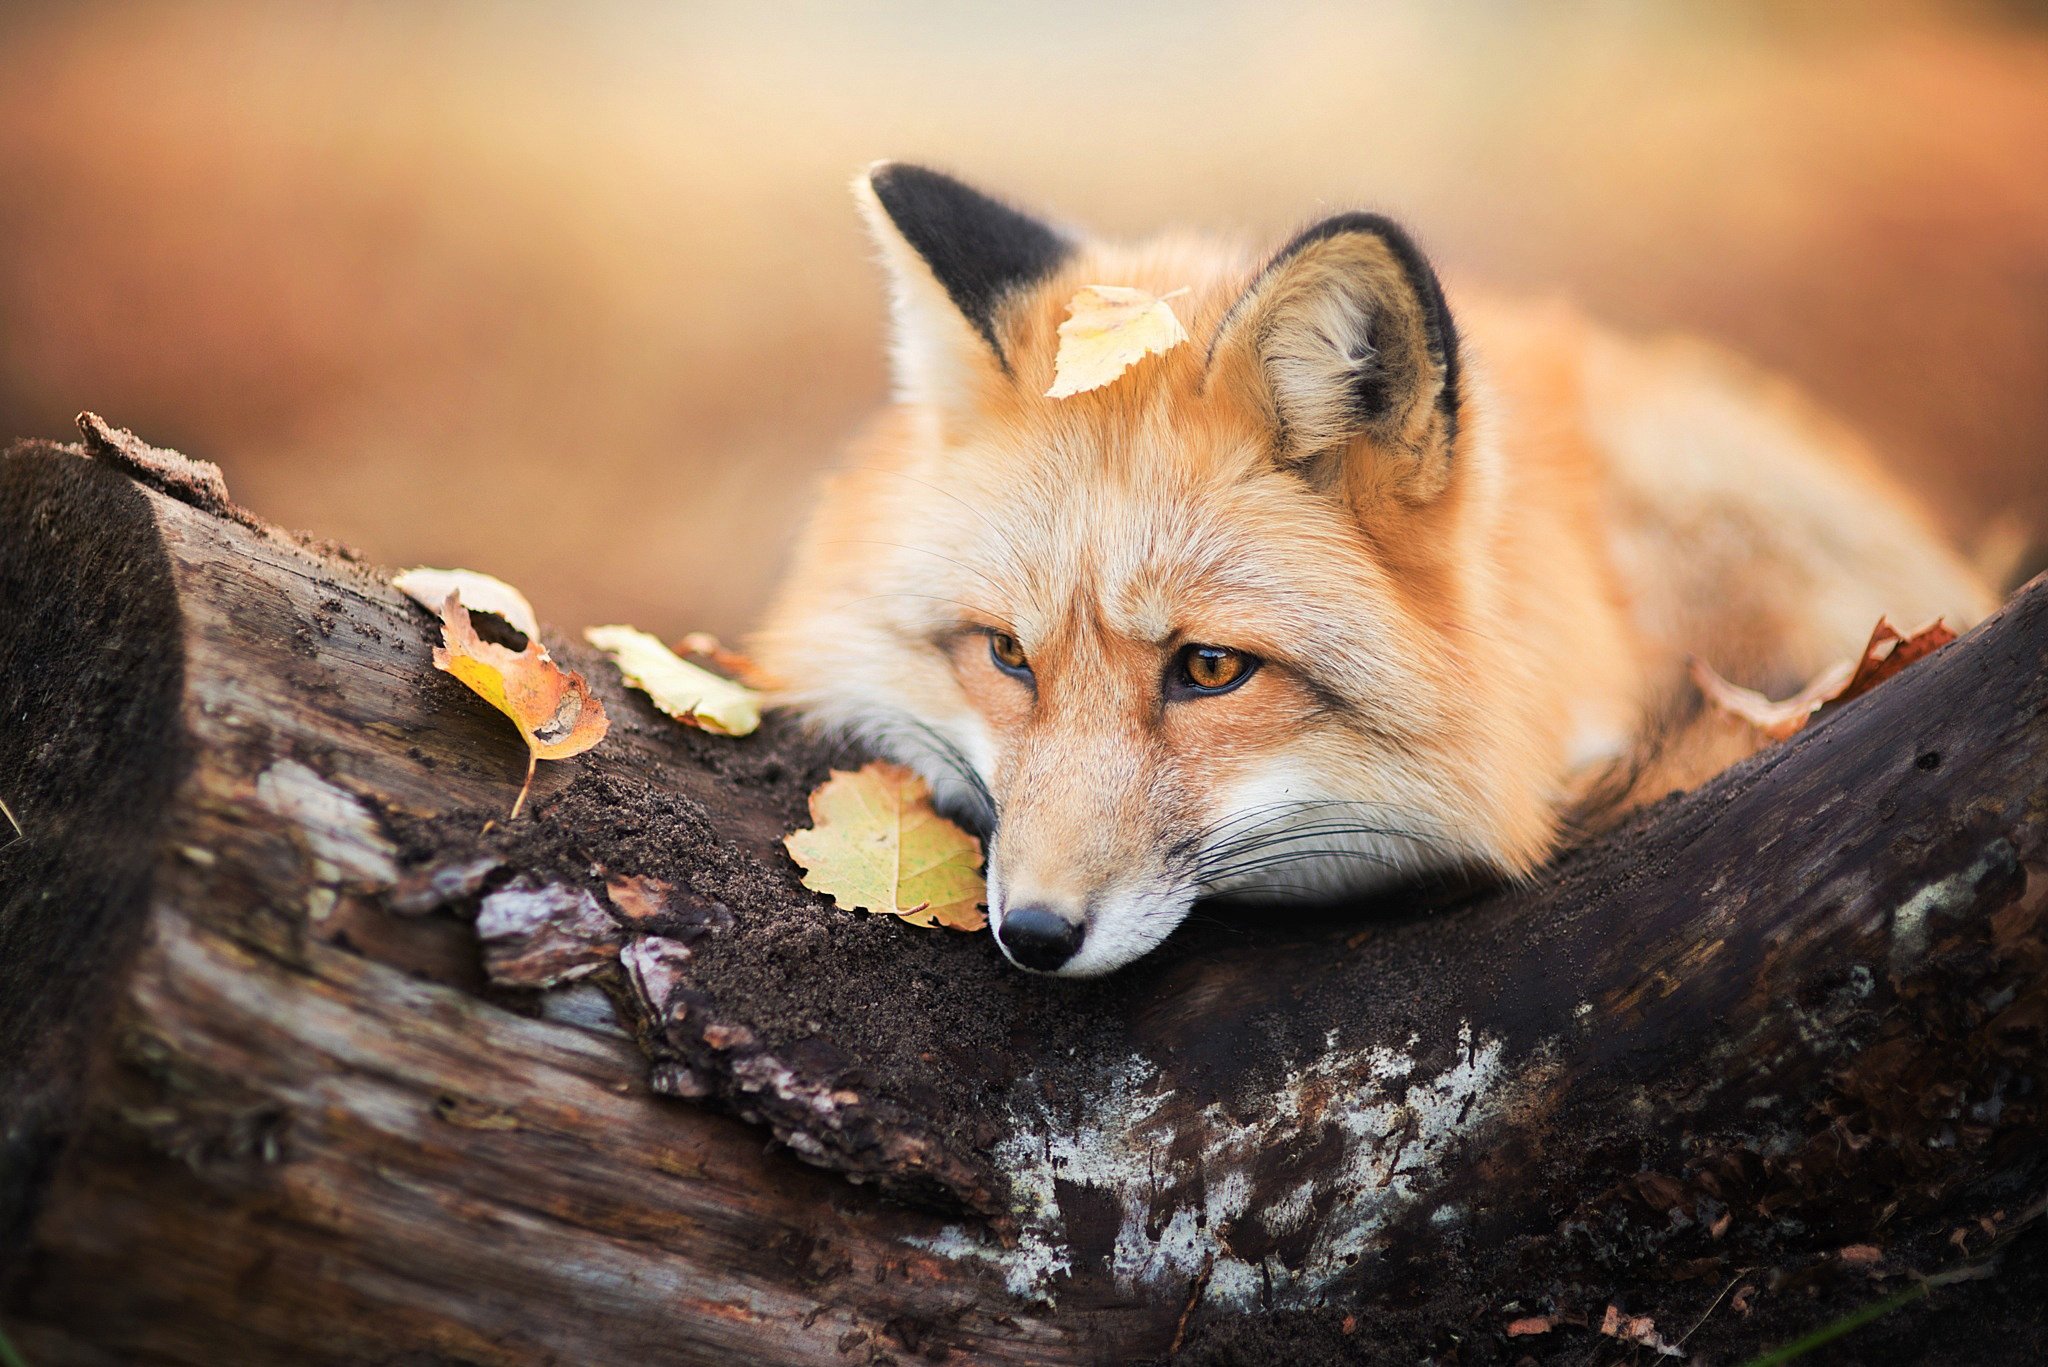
x=875, y=844
x=1109, y=329
x=683, y=690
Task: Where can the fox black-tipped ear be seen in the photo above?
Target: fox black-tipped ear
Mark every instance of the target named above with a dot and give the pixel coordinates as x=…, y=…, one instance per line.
x=955, y=257
x=1347, y=340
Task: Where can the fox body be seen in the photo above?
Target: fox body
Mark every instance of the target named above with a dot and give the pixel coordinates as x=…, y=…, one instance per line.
x=1361, y=582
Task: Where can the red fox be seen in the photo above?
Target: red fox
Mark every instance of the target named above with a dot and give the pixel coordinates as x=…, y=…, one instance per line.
x=1351, y=587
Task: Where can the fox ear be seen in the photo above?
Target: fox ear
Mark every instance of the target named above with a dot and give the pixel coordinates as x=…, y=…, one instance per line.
x=955, y=257
x=1345, y=340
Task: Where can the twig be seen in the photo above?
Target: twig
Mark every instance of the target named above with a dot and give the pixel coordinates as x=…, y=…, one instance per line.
x=19, y=834
x=532, y=759
x=1201, y=1284
x=1733, y=1282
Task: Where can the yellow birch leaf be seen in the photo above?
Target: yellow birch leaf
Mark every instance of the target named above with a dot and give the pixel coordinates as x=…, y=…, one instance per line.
x=876, y=844
x=1109, y=329
x=556, y=715
x=687, y=692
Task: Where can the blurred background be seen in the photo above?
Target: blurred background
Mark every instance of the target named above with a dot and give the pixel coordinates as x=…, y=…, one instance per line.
x=575, y=294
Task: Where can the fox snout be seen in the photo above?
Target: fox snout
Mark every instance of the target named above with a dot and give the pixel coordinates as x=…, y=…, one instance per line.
x=1040, y=936
x=1077, y=886
x=1076, y=936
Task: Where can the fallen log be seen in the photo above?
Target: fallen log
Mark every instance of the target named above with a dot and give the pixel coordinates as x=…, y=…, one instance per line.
x=308, y=1055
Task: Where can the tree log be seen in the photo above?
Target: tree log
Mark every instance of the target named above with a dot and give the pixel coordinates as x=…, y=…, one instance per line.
x=309, y=1055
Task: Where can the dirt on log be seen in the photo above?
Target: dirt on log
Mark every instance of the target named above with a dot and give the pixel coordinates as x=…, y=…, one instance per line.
x=308, y=1055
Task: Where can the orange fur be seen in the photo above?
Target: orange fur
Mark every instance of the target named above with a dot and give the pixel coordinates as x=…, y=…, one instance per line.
x=1454, y=653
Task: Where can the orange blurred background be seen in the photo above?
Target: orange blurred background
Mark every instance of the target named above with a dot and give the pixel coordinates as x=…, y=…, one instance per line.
x=576, y=295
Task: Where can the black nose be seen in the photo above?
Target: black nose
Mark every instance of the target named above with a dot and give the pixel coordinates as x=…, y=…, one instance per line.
x=1038, y=937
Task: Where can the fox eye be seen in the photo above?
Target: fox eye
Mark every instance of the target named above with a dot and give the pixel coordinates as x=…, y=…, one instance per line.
x=1008, y=655
x=1213, y=669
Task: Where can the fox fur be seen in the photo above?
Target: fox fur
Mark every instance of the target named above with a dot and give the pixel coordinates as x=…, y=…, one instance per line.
x=1467, y=545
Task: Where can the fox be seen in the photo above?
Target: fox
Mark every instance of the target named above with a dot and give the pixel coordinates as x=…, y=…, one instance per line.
x=1352, y=589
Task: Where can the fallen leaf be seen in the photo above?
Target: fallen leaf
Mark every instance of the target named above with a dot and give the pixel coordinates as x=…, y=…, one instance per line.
x=467, y=1114
x=552, y=707
x=1109, y=329
x=1659, y=1192
x=1886, y=653
x=477, y=592
x=1638, y=1329
x=726, y=661
x=685, y=691
x=1531, y=1324
x=875, y=844
x=638, y=896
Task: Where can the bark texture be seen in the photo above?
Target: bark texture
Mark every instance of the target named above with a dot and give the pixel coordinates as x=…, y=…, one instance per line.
x=308, y=1056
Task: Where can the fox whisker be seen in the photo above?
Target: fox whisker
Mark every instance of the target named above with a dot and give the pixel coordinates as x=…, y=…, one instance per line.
x=1332, y=853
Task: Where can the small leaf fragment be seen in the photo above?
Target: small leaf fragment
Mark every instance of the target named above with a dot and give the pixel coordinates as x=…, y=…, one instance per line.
x=876, y=844
x=724, y=659
x=553, y=708
x=1109, y=329
x=1888, y=652
x=1637, y=1329
x=687, y=692
x=477, y=592
x=1885, y=654
x=639, y=897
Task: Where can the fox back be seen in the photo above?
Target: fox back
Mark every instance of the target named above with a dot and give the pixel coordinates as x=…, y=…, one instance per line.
x=1343, y=590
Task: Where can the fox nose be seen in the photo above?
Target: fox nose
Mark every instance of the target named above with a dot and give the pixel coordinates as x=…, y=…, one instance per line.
x=1038, y=937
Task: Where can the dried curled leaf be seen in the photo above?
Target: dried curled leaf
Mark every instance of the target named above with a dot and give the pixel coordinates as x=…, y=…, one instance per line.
x=685, y=691
x=876, y=844
x=478, y=592
x=1531, y=1324
x=556, y=715
x=1637, y=1329
x=1109, y=329
x=1886, y=653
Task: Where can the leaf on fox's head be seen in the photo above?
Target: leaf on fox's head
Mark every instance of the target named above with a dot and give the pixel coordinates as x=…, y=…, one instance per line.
x=685, y=691
x=1109, y=329
x=553, y=708
x=876, y=844
x=1885, y=654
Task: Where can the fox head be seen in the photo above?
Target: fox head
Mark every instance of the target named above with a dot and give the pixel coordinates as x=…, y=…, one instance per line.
x=1225, y=625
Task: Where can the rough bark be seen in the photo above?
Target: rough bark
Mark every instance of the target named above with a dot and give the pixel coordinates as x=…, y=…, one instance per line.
x=301, y=1063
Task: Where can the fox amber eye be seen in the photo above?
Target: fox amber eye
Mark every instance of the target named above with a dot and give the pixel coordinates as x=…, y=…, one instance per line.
x=1215, y=669
x=1008, y=655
